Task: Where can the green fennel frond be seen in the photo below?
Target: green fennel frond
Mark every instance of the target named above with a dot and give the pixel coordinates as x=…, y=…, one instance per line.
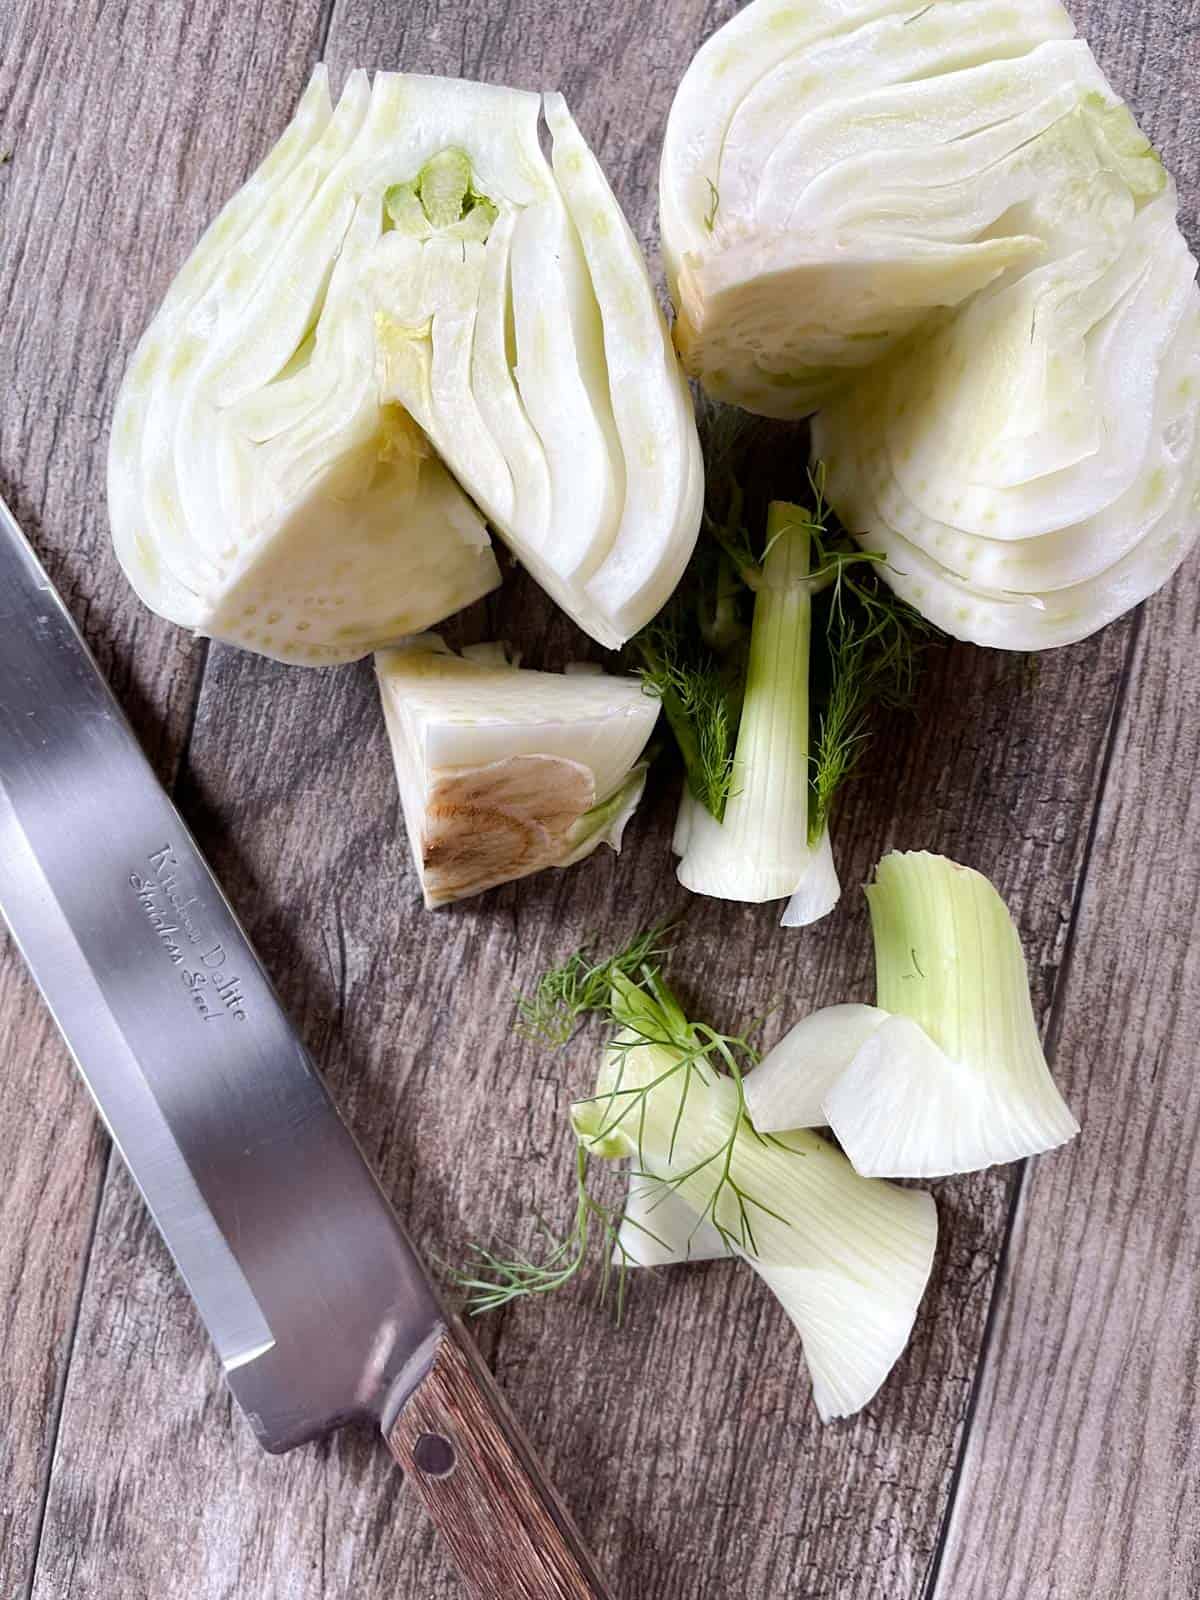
x=697, y=702
x=583, y=984
x=871, y=642
x=491, y=1280
x=646, y=1015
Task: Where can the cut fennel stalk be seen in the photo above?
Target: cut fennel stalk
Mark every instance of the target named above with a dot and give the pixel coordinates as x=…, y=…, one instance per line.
x=847, y=1257
x=769, y=663
x=503, y=771
x=760, y=849
x=956, y=1079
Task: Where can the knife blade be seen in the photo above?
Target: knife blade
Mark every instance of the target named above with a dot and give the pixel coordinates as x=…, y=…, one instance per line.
x=319, y=1307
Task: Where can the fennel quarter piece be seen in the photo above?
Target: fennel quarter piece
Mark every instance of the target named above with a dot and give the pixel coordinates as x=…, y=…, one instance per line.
x=319, y=1307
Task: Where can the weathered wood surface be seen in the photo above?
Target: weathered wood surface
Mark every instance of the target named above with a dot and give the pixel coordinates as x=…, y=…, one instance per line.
x=1080, y=1473
x=120, y=135
x=686, y=1442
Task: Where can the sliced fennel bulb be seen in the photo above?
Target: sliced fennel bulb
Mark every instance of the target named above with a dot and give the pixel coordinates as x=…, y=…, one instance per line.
x=787, y=1089
x=1047, y=561
x=955, y=1079
x=408, y=301
x=504, y=771
x=847, y=1257
x=944, y=229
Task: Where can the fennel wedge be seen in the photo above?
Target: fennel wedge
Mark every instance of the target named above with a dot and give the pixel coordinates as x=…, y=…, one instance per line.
x=503, y=771
x=407, y=322
x=847, y=1258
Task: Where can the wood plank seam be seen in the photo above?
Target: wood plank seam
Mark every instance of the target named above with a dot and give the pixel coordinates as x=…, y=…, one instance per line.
x=60, y=1392
x=1052, y=1033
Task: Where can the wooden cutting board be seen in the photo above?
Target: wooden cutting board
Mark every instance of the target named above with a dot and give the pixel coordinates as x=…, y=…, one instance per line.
x=1037, y=1439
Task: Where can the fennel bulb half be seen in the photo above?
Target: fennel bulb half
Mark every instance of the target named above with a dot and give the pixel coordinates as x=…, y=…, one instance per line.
x=942, y=229
x=408, y=321
x=504, y=771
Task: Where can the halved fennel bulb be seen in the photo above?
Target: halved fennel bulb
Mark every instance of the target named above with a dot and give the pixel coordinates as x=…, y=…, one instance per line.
x=504, y=771
x=847, y=1257
x=943, y=227
x=406, y=306
x=787, y=1088
x=955, y=1079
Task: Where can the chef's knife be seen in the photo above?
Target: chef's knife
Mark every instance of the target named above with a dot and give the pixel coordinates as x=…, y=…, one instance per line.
x=318, y=1305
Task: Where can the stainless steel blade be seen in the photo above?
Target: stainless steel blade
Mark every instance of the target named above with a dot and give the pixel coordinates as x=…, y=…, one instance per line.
x=318, y=1305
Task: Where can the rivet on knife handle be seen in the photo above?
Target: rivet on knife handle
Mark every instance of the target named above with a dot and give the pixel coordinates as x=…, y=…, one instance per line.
x=465, y=1455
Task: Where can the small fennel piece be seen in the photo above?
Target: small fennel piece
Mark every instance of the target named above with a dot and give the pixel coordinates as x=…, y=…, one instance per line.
x=942, y=230
x=503, y=771
x=788, y=1087
x=760, y=849
x=408, y=305
x=848, y=1257
x=956, y=1079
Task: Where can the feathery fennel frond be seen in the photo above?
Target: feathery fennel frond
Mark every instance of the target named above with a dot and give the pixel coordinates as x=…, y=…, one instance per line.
x=492, y=1280
x=871, y=644
x=582, y=984
x=627, y=989
x=699, y=704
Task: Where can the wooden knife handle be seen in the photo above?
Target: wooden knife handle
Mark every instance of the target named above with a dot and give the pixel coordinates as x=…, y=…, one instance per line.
x=464, y=1453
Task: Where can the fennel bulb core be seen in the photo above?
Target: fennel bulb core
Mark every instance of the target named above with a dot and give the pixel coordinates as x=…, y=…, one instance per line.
x=408, y=321
x=503, y=771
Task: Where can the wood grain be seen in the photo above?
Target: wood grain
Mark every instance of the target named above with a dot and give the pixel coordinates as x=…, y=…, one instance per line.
x=1079, y=1475
x=470, y=1464
x=685, y=1442
x=118, y=133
